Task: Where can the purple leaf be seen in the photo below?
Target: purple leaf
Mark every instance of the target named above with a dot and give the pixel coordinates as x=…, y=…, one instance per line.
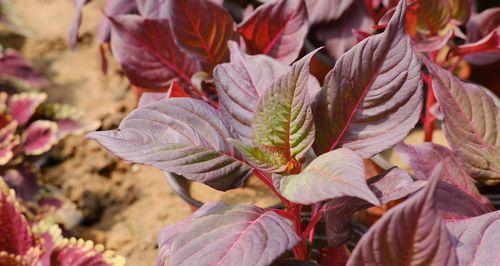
x=23, y=181
x=276, y=29
x=412, y=233
x=320, y=11
x=373, y=96
x=157, y=134
x=75, y=252
x=71, y=126
x=454, y=203
x=77, y=21
x=203, y=29
x=242, y=235
x=147, y=52
x=394, y=184
x=477, y=239
x=332, y=175
x=239, y=85
x=114, y=8
x=8, y=140
x=433, y=43
x=283, y=127
x=158, y=9
x=169, y=233
x=23, y=105
x=13, y=66
x=471, y=124
x=338, y=35
x=479, y=29
x=423, y=158
x=17, y=238
x=40, y=136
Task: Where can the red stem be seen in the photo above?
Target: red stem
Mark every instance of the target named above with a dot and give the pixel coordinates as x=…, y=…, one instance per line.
x=429, y=117
x=266, y=180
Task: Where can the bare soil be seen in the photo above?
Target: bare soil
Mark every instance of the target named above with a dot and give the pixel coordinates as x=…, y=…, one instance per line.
x=123, y=205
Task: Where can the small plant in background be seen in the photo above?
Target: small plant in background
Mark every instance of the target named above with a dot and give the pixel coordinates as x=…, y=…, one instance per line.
x=32, y=223
x=255, y=114
x=42, y=243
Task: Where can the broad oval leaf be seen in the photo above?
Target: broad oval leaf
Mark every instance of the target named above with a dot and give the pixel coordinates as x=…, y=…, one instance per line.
x=276, y=29
x=476, y=239
x=239, y=84
x=320, y=11
x=242, y=235
x=147, y=52
x=283, y=127
x=373, y=96
x=423, y=158
x=202, y=28
x=471, y=124
x=412, y=233
x=180, y=135
x=332, y=175
x=394, y=184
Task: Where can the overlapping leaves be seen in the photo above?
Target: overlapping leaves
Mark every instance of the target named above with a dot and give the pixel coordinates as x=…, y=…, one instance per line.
x=283, y=128
x=471, y=124
x=372, y=97
x=157, y=134
x=410, y=234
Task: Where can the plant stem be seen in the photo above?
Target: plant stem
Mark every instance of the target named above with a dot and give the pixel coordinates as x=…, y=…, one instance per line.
x=267, y=181
x=429, y=118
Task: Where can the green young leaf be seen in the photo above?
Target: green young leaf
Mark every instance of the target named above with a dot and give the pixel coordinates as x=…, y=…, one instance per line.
x=283, y=127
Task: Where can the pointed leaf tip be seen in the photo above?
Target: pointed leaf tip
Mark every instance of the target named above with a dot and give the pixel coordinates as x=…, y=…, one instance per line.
x=409, y=234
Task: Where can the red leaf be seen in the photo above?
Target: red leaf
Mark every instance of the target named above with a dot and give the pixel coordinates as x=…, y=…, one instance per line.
x=202, y=28
x=176, y=91
x=277, y=29
x=146, y=50
x=410, y=234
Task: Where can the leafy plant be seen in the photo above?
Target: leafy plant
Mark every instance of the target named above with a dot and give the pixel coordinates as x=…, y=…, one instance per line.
x=29, y=127
x=256, y=115
x=42, y=243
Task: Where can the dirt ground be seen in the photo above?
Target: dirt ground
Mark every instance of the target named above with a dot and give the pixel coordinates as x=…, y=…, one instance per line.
x=124, y=205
